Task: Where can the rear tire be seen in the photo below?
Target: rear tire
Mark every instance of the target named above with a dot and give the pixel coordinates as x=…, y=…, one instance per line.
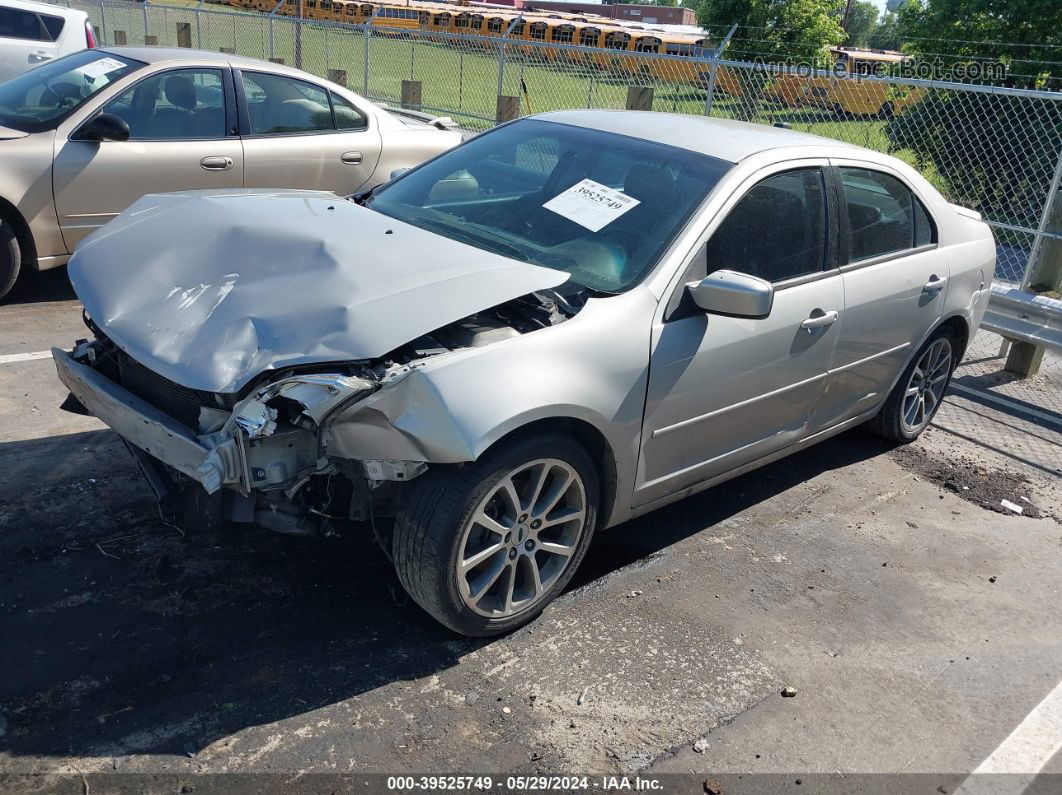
x=483, y=558
x=920, y=390
x=10, y=257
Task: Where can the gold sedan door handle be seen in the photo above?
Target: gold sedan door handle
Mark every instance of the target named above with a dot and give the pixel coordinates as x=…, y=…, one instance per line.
x=351, y=158
x=216, y=163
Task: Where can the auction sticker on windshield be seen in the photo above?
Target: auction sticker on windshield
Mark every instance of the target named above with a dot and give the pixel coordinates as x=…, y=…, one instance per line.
x=101, y=67
x=591, y=204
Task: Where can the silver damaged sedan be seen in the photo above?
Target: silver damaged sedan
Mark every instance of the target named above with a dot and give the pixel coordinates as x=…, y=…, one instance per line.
x=563, y=323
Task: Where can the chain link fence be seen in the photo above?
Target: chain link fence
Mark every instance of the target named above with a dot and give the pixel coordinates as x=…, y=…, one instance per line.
x=996, y=150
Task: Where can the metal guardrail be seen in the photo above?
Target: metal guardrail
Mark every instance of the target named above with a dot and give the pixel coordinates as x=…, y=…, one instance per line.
x=1020, y=316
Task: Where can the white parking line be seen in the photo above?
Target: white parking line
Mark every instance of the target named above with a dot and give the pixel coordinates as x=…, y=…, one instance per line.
x=10, y=358
x=1010, y=404
x=1014, y=764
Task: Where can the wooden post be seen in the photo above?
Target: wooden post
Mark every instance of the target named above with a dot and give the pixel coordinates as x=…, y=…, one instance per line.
x=120, y=38
x=150, y=41
x=1048, y=275
x=639, y=97
x=411, y=93
x=277, y=60
x=508, y=108
x=184, y=34
x=338, y=76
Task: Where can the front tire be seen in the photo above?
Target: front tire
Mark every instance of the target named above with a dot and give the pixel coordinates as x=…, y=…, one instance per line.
x=484, y=547
x=10, y=256
x=918, y=394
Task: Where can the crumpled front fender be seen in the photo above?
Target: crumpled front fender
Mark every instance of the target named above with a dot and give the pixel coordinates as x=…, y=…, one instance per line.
x=408, y=420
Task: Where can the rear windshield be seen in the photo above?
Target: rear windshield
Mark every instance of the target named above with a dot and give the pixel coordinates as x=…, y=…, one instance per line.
x=42, y=98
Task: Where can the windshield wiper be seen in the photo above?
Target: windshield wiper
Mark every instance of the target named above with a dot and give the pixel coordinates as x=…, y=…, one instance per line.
x=449, y=230
x=517, y=252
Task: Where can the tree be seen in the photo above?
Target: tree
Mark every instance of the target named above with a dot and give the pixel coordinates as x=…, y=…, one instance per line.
x=1030, y=30
x=778, y=31
x=886, y=35
x=861, y=23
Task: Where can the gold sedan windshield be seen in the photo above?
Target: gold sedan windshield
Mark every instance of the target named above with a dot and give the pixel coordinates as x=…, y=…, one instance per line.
x=41, y=98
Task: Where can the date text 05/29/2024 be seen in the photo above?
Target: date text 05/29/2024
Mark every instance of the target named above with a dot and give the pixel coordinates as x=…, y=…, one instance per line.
x=522, y=783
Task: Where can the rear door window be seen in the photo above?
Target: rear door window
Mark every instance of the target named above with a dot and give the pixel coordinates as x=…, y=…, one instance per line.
x=53, y=26
x=18, y=24
x=884, y=216
x=278, y=105
x=348, y=117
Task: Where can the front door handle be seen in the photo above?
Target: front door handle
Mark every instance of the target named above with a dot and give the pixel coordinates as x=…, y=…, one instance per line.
x=935, y=283
x=351, y=158
x=216, y=163
x=819, y=320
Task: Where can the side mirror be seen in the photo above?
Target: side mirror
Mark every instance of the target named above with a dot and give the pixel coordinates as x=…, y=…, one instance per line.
x=733, y=294
x=398, y=172
x=103, y=127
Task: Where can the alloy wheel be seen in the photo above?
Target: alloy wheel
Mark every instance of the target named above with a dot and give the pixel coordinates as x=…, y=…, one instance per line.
x=925, y=387
x=521, y=538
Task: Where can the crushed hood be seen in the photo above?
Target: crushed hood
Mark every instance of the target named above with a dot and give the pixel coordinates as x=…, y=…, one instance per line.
x=210, y=288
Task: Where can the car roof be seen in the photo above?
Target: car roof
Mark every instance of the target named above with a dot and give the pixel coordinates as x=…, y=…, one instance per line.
x=722, y=138
x=42, y=8
x=158, y=54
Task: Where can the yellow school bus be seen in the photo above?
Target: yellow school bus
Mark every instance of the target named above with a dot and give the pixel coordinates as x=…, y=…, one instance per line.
x=611, y=37
x=845, y=96
x=550, y=30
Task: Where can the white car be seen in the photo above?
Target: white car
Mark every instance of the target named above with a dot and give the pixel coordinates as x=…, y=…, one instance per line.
x=32, y=33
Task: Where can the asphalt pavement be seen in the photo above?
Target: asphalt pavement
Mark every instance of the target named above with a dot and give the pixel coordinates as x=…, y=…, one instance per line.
x=918, y=624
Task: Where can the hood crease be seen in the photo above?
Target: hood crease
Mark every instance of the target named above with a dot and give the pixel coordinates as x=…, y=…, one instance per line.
x=211, y=288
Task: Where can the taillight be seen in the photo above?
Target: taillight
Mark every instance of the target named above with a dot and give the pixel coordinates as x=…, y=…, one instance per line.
x=90, y=36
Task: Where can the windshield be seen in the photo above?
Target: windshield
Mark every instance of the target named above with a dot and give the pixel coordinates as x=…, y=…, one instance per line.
x=41, y=98
x=601, y=206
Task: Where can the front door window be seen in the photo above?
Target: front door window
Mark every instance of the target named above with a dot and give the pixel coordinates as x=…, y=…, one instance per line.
x=184, y=104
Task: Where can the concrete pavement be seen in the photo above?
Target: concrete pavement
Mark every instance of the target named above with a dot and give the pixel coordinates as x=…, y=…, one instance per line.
x=918, y=627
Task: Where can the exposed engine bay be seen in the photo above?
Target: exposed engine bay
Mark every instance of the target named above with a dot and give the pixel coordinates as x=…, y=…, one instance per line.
x=270, y=458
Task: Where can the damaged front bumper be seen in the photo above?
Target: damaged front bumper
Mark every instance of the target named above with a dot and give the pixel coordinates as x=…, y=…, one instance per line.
x=144, y=426
x=251, y=448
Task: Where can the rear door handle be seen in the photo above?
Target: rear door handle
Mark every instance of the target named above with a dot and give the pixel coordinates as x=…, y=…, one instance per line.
x=819, y=321
x=37, y=57
x=935, y=283
x=351, y=158
x=216, y=163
